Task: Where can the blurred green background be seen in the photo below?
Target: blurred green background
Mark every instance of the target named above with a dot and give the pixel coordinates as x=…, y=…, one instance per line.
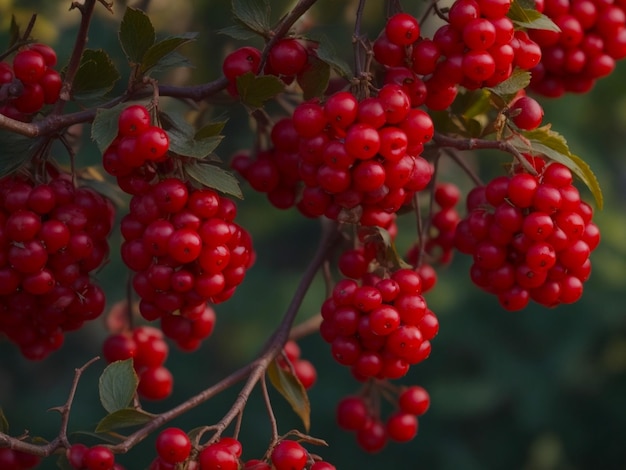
x=533, y=390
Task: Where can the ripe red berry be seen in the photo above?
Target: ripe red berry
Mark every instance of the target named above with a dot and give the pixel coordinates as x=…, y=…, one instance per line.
x=98, y=458
x=29, y=66
x=526, y=113
x=287, y=57
x=133, y=121
x=173, y=445
x=289, y=455
x=402, y=29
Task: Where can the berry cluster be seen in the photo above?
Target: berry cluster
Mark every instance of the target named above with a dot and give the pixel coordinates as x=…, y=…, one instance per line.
x=81, y=457
x=530, y=237
x=358, y=414
x=381, y=327
x=358, y=160
x=303, y=369
x=52, y=236
x=286, y=59
x=186, y=250
x=11, y=459
x=137, y=143
x=146, y=346
x=30, y=82
x=592, y=37
x=477, y=47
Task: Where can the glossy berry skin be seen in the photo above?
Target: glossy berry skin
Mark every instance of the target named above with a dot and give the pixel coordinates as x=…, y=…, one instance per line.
x=155, y=383
x=133, y=121
x=526, y=113
x=402, y=29
x=287, y=57
x=98, y=458
x=29, y=66
x=289, y=455
x=173, y=445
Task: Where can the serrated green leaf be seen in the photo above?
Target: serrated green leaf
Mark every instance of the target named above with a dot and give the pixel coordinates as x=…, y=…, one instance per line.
x=554, y=146
x=314, y=80
x=254, y=14
x=326, y=52
x=212, y=129
x=292, y=390
x=4, y=423
x=518, y=80
x=104, y=127
x=16, y=151
x=212, y=176
x=528, y=17
x=117, y=385
x=136, y=34
x=187, y=146
x=124, y=418
x=238, y=31
x=162, y=49
x=96, y=75
x=254, y=91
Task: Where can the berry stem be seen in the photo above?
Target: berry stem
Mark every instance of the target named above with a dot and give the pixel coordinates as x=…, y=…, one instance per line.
x=270, y=410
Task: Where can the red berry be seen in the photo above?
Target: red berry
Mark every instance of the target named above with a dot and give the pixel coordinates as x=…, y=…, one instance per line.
x=289, y=455
x=173, y=445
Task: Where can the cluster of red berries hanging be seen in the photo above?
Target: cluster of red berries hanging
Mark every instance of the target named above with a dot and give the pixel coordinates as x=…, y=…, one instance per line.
x=181, y=241
x=52, y=237
x=592, y=37
x=98, y=457
x=361, y=415
x=30, y=82
x=356, y=158
x=530, y=237
x=478, y=47
x=147, y=348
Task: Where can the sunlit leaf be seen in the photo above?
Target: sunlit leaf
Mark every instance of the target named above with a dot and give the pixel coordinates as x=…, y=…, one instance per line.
x=254, y=91
x=212, y=176
x=136, y=34
x=529, y=17
x=117, y=385
x=518, y=80
x=124, y=418
x=554, y=146
x=292, y=389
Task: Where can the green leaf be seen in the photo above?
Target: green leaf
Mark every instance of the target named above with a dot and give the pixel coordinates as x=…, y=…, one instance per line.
x=159, y=51
x=212, y=129
x=212, y=176
x=16, y=151
x=554, y=146
x=171, y=61
x=518, y=80
x=238, y=31
x=183, y=140
x=527, y=16
x=292, y=389
x=254, y=14
x=124, y=418
x=117, y=386
x=136, y=34
x=326, y=52
x=254, y=91
x=4, y=423
x=96, y=75
x=104, y=126
x=314, y=80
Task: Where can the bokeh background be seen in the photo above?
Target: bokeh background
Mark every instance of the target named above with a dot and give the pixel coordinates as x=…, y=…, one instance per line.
x=533, y=390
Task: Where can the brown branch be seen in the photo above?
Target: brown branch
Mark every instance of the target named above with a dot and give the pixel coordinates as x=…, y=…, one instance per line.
x=256, y=369
x=483, y=144
x=306, y=328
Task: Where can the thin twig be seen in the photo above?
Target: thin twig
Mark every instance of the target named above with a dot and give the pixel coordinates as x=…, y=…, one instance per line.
x=270, y=410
